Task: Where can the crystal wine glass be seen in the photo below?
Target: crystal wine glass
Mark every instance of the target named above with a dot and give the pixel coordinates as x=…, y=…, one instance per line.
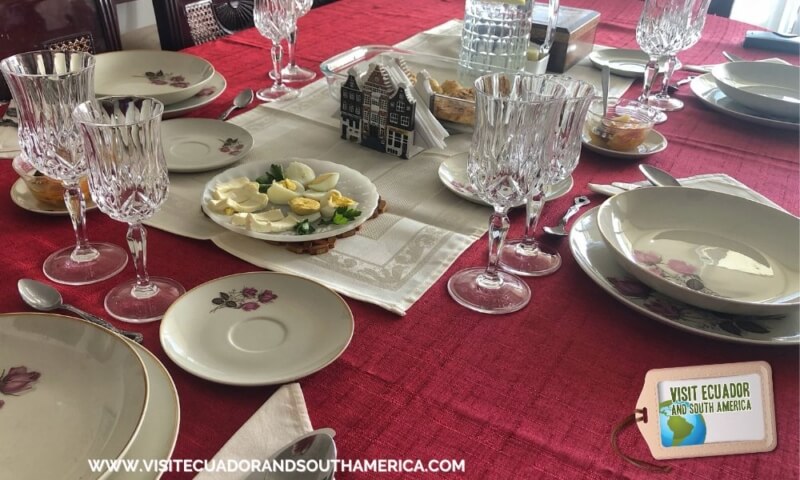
x=275, y=19
x=46, y=87
x=697, y=19
x=508, y=160
x=660, y=32
x=292, y=73
x=128, y=173
x=526, y=256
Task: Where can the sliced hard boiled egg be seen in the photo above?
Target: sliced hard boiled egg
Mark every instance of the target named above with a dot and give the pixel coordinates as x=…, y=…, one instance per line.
x=334, y=201
x=304, y=206
x=299, y=172
x=318, y=196
x=324, y=182
x=282, y=191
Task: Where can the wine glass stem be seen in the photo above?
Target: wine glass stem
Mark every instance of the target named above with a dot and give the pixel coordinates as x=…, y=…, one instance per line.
x=277, y=56
x=76, y=205
x=533, y=207
x=650, y=72
x=498, y=228
x=137, y=243
x=290, y=46
x=670, y=69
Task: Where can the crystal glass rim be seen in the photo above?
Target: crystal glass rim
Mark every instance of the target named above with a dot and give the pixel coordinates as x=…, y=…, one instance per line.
x=540, y=97
x=91, y=105
x=88, y=62
x=583, y=84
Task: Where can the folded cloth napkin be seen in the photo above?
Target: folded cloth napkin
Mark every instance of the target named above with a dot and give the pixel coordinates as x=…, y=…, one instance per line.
x=280, y=420
x=9, y=144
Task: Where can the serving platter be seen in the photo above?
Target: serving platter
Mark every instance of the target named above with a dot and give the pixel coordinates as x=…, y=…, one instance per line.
x=259, y=328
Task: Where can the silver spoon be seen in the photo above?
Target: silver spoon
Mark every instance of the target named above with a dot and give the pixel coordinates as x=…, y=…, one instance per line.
x=658, y=177
x=45, y=298
x=317, y=446
x=559, y=229
x=242, y=100
x=732, y=58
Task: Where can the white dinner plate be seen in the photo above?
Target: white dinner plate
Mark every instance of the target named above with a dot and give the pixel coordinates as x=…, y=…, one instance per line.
x=595, y=258
x=22, y=196
x=206, y=95
x=712, y=250
x=653, y=143
x=259, y=328
x=767, y=87
x=162, y=417
x=453, y=174
x=351, y=184
x=706, y=89
x=201, y=144
x=169, y=77
x=625, y=62
x=89, y=402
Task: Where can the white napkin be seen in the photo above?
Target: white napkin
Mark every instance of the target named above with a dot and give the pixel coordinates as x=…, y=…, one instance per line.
x=280, y=420
x=9, y=143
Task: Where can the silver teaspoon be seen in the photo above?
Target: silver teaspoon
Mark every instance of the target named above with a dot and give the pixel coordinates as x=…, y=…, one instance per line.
x=560, y=228
x=242, y=100
x=45, y=298
x=658, y=177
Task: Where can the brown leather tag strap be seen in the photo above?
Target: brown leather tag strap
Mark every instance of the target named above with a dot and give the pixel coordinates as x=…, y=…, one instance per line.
x=626, y=422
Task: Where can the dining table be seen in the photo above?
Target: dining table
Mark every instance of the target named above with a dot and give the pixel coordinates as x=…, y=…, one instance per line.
x=531, y=394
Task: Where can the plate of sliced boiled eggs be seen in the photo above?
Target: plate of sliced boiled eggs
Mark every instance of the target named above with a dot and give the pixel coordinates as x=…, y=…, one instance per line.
x=296, y=200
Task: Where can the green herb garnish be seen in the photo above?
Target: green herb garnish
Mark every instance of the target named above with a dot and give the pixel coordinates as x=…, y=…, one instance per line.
x=274, y=174
x=344, y=215
x=304, y=228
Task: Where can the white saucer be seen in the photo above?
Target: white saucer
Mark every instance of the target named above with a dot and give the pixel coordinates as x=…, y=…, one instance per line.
x=453, y=174
x=22, y=196
x=283, y=329
x=201, y=144
x=653, y=143
x=162, y=417
x=594, y=257
x=706, y=89
x=206, y=95
x=625, y=62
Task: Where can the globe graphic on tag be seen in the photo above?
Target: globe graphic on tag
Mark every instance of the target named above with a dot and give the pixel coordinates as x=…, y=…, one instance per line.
x=680, y=430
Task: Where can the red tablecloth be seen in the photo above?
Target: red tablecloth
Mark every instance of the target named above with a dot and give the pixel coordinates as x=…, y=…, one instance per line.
x=533, y=394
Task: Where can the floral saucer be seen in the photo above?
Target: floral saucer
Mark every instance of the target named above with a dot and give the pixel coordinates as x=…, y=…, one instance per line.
x=201, y=144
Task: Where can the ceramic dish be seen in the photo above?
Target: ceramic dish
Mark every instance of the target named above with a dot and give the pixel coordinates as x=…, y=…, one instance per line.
x=201, y=144
x=258, y=328
x=169, y=77
x=653, y=143
x=624, y=62
x=22, y=196
x=156, y=438
x=706, y=89
x=766, y=87
x=88, y=403
x=351, y=184
x=206, y=95
x=698, y=247
x=453, y=174
x=594, y=258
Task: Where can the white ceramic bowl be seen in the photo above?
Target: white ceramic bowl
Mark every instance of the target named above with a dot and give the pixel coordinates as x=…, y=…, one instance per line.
x=715, y=251
x=88, y=403
x=169, y=77
x=766, y=87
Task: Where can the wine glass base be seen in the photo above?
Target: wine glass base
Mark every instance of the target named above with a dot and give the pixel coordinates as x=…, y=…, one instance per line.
x=295, y=74
x=121, y=303
x=273, y=94
x=61, y=267
x=521, y=259
x=664, y=103
x=472, y=289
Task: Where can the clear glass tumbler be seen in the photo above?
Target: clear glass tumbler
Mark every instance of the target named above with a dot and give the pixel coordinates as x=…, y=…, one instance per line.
x=128, y=173
x=508, y=159
x=46, y=87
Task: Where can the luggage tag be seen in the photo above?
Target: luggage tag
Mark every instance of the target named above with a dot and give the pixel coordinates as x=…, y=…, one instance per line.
x=703, y=411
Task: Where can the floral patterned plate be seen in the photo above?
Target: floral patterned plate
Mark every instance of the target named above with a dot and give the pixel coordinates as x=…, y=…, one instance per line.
x=216, y=86
x=453, y=174
x=201, y=144
x=595, y=258
x=259, y=328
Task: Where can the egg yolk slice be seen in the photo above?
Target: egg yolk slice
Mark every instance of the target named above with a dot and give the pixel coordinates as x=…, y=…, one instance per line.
x=304, y=206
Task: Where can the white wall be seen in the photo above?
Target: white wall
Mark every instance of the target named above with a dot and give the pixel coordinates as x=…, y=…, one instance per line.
x=134, y=15
x=776, y=15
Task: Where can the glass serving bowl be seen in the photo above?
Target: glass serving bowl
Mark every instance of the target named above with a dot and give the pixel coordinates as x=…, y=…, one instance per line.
x=45, y=189
x=624, y=126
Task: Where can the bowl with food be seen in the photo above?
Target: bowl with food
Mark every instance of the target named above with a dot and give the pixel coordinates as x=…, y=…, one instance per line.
x=45, y=189
x=623, y=127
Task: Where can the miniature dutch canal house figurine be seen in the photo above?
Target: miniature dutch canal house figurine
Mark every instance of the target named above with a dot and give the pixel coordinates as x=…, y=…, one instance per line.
x=378, y=114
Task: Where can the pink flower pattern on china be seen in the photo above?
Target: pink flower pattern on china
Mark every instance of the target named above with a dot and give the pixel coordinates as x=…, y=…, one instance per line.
x=161, y=78
x=17, y=380
x=247, y=299
x=231, y=146
x=205, y=92
x=674, y=270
